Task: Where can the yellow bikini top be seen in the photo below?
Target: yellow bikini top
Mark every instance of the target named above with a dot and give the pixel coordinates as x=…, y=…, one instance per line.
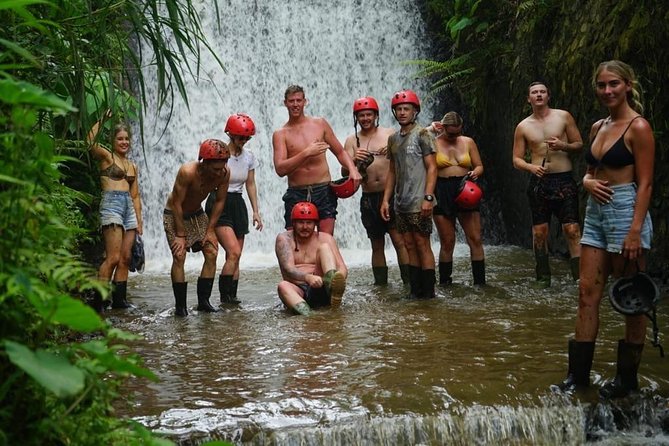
x=444, y=161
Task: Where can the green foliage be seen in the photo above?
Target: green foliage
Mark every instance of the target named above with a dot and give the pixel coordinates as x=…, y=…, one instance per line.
x=62, y=65
x=496, y=48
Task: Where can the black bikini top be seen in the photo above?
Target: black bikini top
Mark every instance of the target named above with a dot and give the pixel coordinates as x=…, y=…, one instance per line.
x=618, y=154
x=115, y=172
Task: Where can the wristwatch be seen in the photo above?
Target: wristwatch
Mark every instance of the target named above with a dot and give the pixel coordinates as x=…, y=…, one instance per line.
x=429, y=197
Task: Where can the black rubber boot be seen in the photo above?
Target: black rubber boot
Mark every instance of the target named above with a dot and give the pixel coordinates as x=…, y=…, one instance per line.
x=235, y=285
x=414, y=282
x=575, y=266
x=226, y=287
x=204, y=287
x=96, y=302
x=543, y=268
x=428, y=279
x=180, y=291
x=478, y=271
x=580, y=363
x=119, y=295
x=626, y=380
x=404, y=273
x=380, y=275
x=445, y=271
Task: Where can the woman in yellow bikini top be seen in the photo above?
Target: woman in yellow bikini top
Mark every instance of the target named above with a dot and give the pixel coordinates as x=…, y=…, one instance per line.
x=457, y=156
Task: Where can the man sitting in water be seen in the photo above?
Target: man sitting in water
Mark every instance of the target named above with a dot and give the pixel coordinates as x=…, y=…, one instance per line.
x=313, y=270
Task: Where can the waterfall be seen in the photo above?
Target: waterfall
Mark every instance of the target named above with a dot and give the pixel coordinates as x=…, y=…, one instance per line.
x=338, y=51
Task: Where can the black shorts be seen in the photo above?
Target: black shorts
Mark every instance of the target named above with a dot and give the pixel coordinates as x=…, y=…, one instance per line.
x=315, y=297
x=235, y=214
x=319, y=194
x=554, y=194
x=446, y=191
x=370, y=214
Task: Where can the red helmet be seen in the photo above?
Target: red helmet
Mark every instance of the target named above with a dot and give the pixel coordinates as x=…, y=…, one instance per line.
x=240, y=124
x=213, y=149
x=365, y=103
x=405, y=97
x=343, y=187
x=469, y=195
x=304, y=210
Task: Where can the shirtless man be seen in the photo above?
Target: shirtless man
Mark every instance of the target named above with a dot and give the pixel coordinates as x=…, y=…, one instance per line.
x=187, y=226
x=368, y=149
x=550, y=136
x=313, y=270
x=299, y=153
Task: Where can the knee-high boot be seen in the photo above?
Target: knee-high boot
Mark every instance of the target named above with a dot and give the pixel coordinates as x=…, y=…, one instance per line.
x=575, y=266
x=543, y=268
x=226, y=288
x=404, y=273
x=478, y=271
x=119, y=295
x=235, y=285
x=445, y=271
x=380, y=275
x=180, y=291
x=204, y=287
x=415, y=282
x=626, y=380
x=580, y=363
x=428, y=280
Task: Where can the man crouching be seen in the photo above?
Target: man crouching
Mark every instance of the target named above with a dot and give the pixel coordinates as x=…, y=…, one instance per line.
x=313, y=270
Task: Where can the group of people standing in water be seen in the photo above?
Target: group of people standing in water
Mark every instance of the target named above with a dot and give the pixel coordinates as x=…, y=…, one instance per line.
x=411, y=178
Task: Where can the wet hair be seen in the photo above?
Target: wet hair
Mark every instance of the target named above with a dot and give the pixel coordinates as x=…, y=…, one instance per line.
x=532, y=84
x=120, y=127
x=626, y=73
x=293, y=89
x=452, y=119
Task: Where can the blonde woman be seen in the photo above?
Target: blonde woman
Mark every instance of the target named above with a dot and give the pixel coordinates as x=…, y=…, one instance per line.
x=120, y=209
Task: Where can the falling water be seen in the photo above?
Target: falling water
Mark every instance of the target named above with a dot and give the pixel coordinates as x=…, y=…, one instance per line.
x=338, y=51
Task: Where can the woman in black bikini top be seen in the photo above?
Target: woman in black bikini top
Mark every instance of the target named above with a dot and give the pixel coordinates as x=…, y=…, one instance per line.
x=617, y=230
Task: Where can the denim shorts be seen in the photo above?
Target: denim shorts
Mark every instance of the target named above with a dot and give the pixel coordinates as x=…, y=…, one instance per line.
x=606, y=225
x=116, y=208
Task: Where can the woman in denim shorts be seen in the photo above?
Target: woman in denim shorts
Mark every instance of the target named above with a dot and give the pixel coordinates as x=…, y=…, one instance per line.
x=120, y=210
x=617, y=230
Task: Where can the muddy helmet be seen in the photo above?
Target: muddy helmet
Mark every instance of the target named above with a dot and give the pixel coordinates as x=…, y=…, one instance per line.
x=405, y=97
x=469, y=195
x=343, y=187
x=634, y=295
x=240, y=124
x=304, y=210
x=365, y=103
x=213, y=149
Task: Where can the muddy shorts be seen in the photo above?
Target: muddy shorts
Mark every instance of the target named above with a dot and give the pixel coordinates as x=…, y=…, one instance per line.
x=116, y=208
x=319, y=194
x=446, y=191
x=554, y=194
x=315, y=297
x=235, y=214
x=195, y=225
x=607, y=225
x=414, y=222
x=370, y=214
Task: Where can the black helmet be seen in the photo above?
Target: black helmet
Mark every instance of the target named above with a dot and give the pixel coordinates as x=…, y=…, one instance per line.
x=634, y=295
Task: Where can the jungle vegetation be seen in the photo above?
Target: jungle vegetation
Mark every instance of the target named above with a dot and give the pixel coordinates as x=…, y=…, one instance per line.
x=63, y=64
x=488, y=52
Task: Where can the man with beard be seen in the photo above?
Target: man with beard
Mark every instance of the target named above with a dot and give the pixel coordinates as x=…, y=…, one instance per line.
x=313, y=270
